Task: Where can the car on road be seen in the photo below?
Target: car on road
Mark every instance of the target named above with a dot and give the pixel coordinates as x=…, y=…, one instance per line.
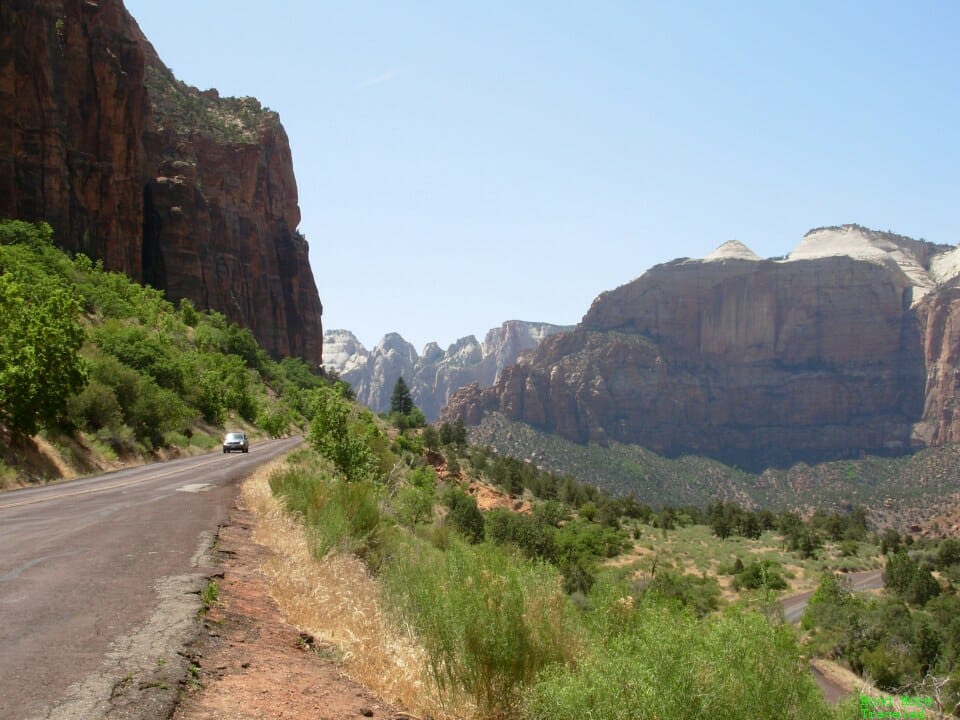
x=236, y=441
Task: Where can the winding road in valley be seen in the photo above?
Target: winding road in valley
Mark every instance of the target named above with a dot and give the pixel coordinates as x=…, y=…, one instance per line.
x=100, y=581
x=794, y=606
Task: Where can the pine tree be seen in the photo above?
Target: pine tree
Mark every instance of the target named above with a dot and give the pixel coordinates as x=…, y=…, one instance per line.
x=400, y=400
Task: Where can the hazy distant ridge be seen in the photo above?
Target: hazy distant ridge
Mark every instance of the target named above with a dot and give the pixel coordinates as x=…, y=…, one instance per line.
x=435, y=374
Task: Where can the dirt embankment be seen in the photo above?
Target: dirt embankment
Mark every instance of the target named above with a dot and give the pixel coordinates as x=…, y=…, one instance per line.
x=251, y=663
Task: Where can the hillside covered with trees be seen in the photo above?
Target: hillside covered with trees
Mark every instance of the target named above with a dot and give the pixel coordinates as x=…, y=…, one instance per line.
x=109, y=370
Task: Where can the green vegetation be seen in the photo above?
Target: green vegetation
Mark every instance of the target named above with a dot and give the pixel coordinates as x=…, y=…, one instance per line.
x=521, y=614
x=907, y=640
x=210, y=595
x=494, y=626
x=88, y=354
x=186, y=110
x=40, y=332
x=403, y=413
x=895, y=491
x=650, y=660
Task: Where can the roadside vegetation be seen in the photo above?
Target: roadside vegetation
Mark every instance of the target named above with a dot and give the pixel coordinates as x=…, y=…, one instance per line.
x=905, y=640
x=110, y=371
x=517, y=588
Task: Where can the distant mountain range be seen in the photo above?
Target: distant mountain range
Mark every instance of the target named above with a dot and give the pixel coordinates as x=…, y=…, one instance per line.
x=434, y=375
x=848, y=346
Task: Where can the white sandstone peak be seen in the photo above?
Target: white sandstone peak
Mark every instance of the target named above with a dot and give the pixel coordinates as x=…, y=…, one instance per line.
x=878, y=247
x=732, y=250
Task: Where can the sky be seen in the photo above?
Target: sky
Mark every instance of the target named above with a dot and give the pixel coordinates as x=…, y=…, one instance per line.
x=460, y=164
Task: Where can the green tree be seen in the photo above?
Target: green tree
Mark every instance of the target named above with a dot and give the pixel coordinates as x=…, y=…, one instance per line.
x=400, y=400
x=431, y=438
x=40, y=365
x=899, y=572
x=332, y=436
x=923, y=586
x=948, y=553
x=465, y=515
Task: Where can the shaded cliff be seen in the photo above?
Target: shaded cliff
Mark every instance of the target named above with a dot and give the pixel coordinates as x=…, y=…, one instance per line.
x=435, y=375
x=755, y=362
x=190, y=192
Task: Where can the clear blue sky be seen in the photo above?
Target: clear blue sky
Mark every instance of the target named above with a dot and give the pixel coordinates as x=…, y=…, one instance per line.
x=464, y=163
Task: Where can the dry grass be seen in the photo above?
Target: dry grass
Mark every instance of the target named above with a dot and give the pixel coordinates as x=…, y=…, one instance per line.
x=337, y=600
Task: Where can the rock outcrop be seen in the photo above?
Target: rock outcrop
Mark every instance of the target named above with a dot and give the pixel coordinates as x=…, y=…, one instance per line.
x=436, y=374
x=847, y=346
x=188, y=191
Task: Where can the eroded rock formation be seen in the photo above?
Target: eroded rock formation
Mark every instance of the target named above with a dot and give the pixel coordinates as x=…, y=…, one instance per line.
x=849, y=346
x=188, y=191
x=436, y=374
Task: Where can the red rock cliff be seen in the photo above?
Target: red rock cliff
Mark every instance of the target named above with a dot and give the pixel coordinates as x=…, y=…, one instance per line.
x=754, y=362
x=939, y=319
x=190, y=192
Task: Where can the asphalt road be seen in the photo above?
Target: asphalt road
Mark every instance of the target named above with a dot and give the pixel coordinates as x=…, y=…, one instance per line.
x=98, y=574
x=794, y=606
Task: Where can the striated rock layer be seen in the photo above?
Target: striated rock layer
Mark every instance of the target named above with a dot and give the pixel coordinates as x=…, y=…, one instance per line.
x=187, y=191
x=436, y=374
x=848, y=346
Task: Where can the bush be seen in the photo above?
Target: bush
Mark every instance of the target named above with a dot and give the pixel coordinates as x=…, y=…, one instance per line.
x=647, y=660
x=489, y=623
x=585, y=540
x=464, y=514
x=700, y=594
x=274, y=419
x=340, y=515
x=95, y=407
x=763, y=574
x=533, y=538
x=40, y=332
x=331, y=436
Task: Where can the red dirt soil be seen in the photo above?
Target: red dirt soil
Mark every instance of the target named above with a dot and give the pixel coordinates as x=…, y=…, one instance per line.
x=249, y=663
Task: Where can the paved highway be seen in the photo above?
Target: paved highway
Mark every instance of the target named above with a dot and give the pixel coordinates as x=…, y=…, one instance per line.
x=99, y=580
x=794, y=606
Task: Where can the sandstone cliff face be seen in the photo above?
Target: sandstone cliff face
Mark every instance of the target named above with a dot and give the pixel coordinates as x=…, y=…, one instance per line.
x=754, y=362
x=436, y=374
x=939, y=319
x=187, y=191
x=72, y=115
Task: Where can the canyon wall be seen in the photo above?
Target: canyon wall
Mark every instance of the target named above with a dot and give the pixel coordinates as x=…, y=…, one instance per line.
x=848, y=346
x=188, y=191
x=437, y=374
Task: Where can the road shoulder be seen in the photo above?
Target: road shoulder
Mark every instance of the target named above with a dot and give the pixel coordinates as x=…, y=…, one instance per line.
x=249, y=663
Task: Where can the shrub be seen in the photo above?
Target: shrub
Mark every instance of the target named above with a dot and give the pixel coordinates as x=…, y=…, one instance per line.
x=331, y=436
x=532, y=537
x=338, y=515
x=94, y=407
x=584, y=540
x=648, y=660
x=464, y=514
x=274, y=420
x=188, y=313
x=414, y=505
x=489, y=622
x=700, y=594
x=763, y=574
x=40, y=332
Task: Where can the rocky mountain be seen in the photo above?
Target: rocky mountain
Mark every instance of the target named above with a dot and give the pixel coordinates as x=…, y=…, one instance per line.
x=188, y=191
x=436, y=374
x=847, y=346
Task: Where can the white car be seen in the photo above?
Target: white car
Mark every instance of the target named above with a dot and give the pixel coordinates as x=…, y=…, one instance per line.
x=236, y=441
